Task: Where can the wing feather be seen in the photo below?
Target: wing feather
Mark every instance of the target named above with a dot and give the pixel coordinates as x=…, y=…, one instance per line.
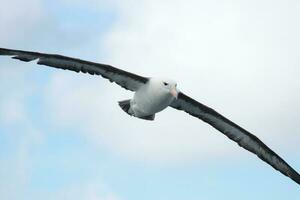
x=236, y=133
x=123, y=78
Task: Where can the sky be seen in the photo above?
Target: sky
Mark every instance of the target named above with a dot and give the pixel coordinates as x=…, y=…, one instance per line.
x=63, y=135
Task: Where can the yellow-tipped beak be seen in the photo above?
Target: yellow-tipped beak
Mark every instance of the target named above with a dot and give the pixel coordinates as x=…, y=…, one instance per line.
x=174, y=93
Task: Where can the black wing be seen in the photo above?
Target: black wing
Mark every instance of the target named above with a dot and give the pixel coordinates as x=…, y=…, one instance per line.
x=123, y=78
x=236, y=133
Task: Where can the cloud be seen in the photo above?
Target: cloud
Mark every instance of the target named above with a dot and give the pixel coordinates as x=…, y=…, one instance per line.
x=238, y=58
x=84, y=191
x=18, y=130
x=241, y=59
x=234, y=57
x=16, y=164
x=18, y=19
x=20, y=163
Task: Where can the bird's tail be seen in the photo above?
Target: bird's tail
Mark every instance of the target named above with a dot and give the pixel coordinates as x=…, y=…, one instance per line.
x=125, y=105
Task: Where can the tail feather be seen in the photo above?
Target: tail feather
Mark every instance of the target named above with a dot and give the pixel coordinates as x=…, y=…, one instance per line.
x=125, y=105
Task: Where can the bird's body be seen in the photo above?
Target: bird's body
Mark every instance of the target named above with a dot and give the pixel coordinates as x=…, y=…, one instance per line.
x=152, y=98
x=153, y=95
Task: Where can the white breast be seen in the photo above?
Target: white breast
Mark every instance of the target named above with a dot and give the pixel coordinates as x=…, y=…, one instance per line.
x=151, y=98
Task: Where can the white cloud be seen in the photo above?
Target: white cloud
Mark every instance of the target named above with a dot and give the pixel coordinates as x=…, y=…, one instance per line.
x=240, y=58
x=20, y=23
x=16, y=125
x=93, y=4
x=83, y=191
x=16, y=164
x=18, y=19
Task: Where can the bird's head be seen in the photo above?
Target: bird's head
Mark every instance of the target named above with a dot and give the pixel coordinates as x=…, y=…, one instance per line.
x=165, y=88
x=170, y=87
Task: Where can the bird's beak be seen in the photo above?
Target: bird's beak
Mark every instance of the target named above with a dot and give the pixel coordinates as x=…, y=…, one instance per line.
x=174, y=92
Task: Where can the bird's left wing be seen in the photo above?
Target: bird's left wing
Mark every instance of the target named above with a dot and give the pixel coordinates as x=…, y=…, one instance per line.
x=123, y=78
x=236, y=133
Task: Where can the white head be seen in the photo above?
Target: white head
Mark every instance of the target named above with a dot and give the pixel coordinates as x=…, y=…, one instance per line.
x=168, y=87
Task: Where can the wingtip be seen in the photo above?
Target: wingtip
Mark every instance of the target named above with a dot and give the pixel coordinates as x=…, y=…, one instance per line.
x=295, y=177
x=8, y=52
x=4, y=51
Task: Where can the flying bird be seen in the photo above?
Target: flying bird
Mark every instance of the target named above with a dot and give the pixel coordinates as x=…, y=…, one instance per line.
x=152, y=95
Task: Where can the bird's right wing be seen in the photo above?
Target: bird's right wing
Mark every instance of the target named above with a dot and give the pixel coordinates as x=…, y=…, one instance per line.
x=123, y=78
x=234, y=132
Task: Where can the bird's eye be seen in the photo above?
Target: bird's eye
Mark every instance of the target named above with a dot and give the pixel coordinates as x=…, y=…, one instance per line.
x=165, y=83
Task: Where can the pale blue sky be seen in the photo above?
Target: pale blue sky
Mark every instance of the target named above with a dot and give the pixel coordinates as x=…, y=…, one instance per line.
x=62, y=135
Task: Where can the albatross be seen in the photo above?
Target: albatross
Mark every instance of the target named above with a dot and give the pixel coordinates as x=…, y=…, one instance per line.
x=152, y=95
